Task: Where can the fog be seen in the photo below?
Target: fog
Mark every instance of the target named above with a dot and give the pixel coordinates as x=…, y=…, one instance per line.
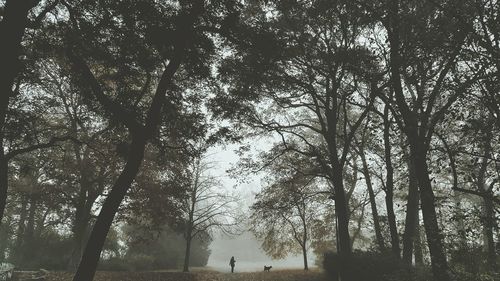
x=245, y=248
x=248, y=254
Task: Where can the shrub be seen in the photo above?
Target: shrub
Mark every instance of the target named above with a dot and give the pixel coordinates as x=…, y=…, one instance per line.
x=113, y=264
x=140, y=262
x=366, y=266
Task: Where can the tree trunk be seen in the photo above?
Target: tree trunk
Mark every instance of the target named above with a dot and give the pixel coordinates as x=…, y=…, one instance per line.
x=87, y=267
x=30, y=226
x=419, y=254
x=29, y=233
x=342, y=212
x=373, y=203
x=391, y=217
x=411, y=221
x=81, y=221
x=488, y=210
x=489, y=224
x=418, y=150
x=389, y=186
x=187, y=255
x=304, y=255
x=5, y=234
x=79, y=229
x=15, y=18
x=4, y=177
x=439, y=263
x=17, y=253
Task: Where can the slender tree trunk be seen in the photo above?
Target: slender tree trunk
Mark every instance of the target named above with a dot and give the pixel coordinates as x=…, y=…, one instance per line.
x=411, y=221
x=357, y=231
x=29, y=233
x=191, y=208
x=373, y=202
x=15, y=18
x=439, y=263
x=30, y=226
x=304, y=255
x=4, y=178
x=391, y=217
x=488, y=210
x=21, y=227
x=460, y=222
x=389, y=186
x=92, y=252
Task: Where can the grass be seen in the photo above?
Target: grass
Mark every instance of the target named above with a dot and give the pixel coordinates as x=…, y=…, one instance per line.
x=278, y=275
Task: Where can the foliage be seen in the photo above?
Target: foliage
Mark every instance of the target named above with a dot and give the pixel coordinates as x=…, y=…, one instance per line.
x=375, y=266
x=85, y=99
x=289, y=213
x=163, y=250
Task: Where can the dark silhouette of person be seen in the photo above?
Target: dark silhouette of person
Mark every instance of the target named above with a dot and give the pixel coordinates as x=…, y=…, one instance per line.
x=231, y=263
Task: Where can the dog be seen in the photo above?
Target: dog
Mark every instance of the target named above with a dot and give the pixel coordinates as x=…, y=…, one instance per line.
x=267, y=268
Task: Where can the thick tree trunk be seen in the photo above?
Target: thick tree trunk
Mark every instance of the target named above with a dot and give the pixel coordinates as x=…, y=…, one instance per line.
x=419, y=254
x=439, y=263
x=187, y=254
x=15, y=18
x=418, y=150
x=78, y=230
x=80, y=227
x=81, y=221
x=489, y=224
x=411, y=221
x=342, y=212
x=91, y=255
x=373, y=203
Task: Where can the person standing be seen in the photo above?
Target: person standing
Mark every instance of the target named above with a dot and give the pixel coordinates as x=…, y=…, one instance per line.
x=231, y=263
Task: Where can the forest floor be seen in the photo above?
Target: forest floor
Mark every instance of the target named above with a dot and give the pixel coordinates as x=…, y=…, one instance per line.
x=278, y=275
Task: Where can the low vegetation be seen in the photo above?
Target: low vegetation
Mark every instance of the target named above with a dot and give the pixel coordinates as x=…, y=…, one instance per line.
x=278, y=275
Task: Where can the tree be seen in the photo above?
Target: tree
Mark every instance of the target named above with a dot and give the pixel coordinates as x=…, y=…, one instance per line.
x=15, y=21
x=151, y=250
x=429, y=97
x=141, y=130
x=369, y=186
x=301, y=75
x=205, y=209
x=288, y=211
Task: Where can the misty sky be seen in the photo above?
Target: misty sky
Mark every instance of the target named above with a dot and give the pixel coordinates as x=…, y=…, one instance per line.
x=245, y=248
